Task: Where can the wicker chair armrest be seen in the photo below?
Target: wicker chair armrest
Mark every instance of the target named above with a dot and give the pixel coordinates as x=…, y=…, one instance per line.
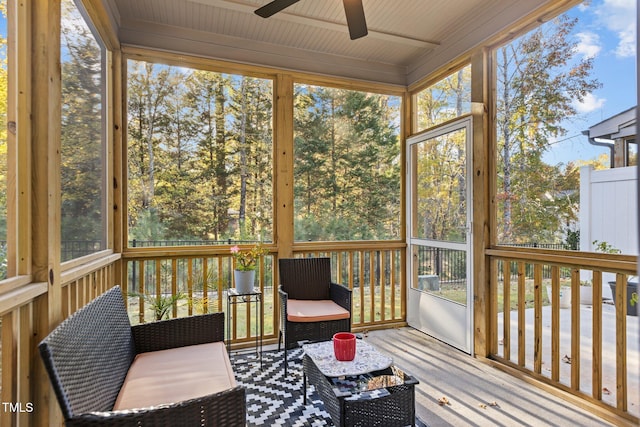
x=179, y=332
x=284, y=297
x=226, y=408
x=341, y=295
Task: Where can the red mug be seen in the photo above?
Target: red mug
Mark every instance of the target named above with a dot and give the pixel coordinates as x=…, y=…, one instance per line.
x=344, y=346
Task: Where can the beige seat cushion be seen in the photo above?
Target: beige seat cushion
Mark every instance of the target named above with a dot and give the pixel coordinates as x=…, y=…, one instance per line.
x=175, y=375
x=314, y=311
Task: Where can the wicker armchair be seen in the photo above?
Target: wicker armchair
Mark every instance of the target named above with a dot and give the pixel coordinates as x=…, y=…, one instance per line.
x=88, y=356
x=309, y=279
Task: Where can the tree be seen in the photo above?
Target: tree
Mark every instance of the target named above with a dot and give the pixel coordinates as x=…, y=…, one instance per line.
x=251, y=149
x=445, y=100
x=82, y=140
x=441, y=161
x=347, y=174
x=208, y=94
x=441, y=167
x=175, y=196
x=200, y=148
x=538, y=78
x=148, y=87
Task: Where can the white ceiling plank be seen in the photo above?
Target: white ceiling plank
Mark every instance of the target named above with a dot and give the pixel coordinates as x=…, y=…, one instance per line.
x=321, y=23
x=407, y=39
x=258, y=53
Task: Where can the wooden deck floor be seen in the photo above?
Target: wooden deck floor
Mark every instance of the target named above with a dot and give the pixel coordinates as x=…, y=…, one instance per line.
x=472, y=387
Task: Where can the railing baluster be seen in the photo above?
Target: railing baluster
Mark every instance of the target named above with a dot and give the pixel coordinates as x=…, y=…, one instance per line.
x=372, y=288
x=353, y=265
x=190, y=285
x=621, y=341
x=521, y=313
x=555, y=323
x=220, y=282
x=575, y=329
x=141, y=291
x=596, y=359
x=381, y=282
x=362, y=285
x=506, y=310
x=158, y=277
x=392, y=283
x=205, y=285
x=174, y=283
x=537, y=323
x=403, y=289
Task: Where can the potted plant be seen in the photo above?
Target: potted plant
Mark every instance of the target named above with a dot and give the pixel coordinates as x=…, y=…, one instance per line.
x=586, y=292
x=246, y=262
x=565, y=296
x=632, y=286
x=632, y=296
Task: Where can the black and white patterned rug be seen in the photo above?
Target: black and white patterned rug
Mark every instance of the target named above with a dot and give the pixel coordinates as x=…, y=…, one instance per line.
x=272, y=399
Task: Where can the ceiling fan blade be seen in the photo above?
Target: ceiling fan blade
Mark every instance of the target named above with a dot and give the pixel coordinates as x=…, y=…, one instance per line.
x=355, y=18
x=274, y=7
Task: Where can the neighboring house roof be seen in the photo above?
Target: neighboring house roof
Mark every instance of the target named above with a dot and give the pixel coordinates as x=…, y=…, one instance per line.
x=622, y=125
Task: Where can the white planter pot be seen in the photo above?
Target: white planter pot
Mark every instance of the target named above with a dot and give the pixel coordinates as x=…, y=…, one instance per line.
x=244, y=281
x=586, y=295
x=565, y=296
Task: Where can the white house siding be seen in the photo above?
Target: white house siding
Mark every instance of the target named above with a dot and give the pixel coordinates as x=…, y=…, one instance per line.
x=609, y=211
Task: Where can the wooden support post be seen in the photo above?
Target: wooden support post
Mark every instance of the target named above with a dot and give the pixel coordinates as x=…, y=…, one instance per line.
x=283, y=125
x=484, y=317
x=45, y=174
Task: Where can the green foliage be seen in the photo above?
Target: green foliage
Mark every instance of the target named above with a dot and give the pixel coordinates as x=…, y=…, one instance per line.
x=447, y=99
x=82, y=140
x=441, y=187
x=539, y=78
x=605, y=247
x=200, y=150
x=161, y=304
x=347, y=173
x=147, y=226
x=572, y=239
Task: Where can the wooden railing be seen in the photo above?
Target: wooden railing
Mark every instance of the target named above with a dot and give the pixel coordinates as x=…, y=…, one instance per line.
x=580, y=349
x=375, y=273
x=195, y=280
x=22, y=303
x=199, y=277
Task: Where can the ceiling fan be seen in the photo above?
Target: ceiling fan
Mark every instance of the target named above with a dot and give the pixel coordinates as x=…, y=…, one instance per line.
x=352, y=8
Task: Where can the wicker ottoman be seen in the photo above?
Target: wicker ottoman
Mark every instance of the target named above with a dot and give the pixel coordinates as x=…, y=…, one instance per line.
x=380, y=398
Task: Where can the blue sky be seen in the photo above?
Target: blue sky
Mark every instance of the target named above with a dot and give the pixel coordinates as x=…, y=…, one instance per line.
x=606, y=32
